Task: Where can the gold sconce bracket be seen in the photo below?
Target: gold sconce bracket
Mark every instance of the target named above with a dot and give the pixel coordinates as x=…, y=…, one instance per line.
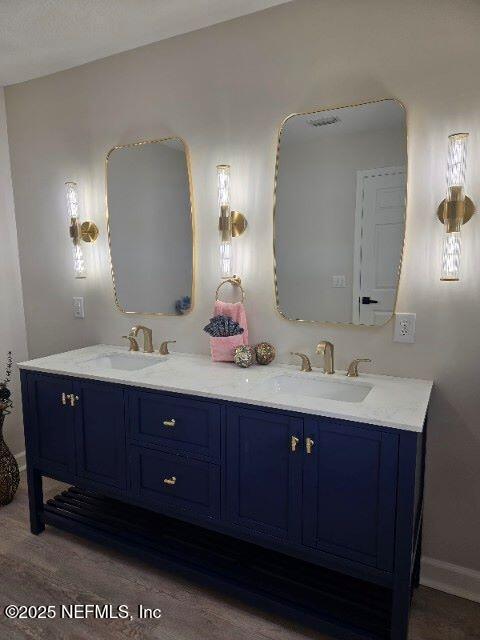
x=455, y=212
x=89, y=231
x=239, y=223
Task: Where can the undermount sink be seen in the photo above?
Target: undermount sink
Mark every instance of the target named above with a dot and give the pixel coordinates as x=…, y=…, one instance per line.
x=124, y=362
x=343, y=391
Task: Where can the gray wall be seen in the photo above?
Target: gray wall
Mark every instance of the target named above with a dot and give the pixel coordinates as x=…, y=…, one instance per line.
x=225, y=90
x=12, y=321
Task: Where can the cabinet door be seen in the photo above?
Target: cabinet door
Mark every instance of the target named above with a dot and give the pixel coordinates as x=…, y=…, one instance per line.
x=100, y=433
x=49, y=424
x=350, y=491
x=263, y=491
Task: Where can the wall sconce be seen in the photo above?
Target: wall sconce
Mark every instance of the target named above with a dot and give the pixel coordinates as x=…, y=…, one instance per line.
x=456, y=209
x=86, y=231
x=231, y=224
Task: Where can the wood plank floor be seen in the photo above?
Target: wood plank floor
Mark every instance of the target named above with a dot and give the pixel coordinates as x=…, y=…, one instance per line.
x=57, y=568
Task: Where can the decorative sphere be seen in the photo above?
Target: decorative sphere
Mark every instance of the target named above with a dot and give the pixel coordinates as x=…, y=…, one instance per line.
x=265, y=353
x=244, y=356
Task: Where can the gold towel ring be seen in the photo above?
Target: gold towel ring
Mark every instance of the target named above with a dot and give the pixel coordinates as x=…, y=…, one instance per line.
x=236, y=281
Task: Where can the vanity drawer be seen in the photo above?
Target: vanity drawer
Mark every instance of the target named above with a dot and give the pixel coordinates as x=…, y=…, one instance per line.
x=176, y=481
x=182, y=425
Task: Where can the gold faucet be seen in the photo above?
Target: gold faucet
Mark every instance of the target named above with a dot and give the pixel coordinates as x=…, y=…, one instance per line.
x=306, y=364
x=325, y=349
x=164, y=347
x=133, y=343
x=147, y=337
x=352, y=371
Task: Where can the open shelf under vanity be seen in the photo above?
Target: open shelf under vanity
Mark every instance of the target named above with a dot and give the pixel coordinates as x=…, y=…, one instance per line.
x=261, y=577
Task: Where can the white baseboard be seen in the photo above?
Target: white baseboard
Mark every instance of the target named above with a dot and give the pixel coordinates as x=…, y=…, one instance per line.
x=21, y=459
x=451, y=578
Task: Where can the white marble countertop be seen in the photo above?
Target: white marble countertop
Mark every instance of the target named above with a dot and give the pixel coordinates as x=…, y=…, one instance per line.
x=399, y=403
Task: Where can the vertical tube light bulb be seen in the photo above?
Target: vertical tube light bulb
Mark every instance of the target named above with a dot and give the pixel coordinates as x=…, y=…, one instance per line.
x=454, y=206
x=225, y=221
x=79, y=267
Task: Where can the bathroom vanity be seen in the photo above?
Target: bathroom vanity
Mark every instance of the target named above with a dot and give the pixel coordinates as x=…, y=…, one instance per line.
x=299, y=492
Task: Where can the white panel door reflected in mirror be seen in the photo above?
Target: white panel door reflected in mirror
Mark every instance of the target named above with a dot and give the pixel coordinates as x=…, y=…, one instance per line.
x=150, y=224
x=339, y=214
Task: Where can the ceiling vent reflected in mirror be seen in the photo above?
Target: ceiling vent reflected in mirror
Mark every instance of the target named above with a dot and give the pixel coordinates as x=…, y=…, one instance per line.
x=321, y=122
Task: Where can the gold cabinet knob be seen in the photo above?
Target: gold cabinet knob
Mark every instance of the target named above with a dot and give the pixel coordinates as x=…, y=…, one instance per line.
x=64, y=399
x=170, y=481
x=72, y=399
x=169, y=423
x=293, y=443
x=309, y=445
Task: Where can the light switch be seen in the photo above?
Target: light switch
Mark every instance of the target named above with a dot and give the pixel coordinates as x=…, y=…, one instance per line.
x=338, y=282
x=78, y=308
x=404, y=327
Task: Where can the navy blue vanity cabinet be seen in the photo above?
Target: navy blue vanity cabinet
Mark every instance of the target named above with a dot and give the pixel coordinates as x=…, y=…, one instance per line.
x=100, y=433
x=50, y=422
x=311, y=517
x=264, y=472
x=349, y=491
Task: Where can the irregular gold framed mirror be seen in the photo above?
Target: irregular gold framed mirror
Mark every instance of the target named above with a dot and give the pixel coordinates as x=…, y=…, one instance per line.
x=151, y=227
x=339, y=213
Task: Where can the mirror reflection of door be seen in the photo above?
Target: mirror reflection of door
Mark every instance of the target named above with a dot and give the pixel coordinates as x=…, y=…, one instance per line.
x=339, y=215
x=379, y=232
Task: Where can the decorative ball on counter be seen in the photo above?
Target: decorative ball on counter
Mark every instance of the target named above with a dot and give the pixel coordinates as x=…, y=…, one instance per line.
x=265, y=353
x=244, y=356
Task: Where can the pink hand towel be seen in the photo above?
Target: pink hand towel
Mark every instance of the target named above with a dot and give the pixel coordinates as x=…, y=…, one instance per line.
x=235, y=311
x=223, y=349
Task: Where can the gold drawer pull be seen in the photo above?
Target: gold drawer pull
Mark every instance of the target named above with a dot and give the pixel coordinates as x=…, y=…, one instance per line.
x=171, y=480
x=309, y=445
x=293, y=443
x=169, y=423
x=64, y=399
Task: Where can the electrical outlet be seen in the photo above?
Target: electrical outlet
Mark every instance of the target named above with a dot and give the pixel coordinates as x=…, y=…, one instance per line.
x=338, y=282
x=78, y=308
x=404, y=327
